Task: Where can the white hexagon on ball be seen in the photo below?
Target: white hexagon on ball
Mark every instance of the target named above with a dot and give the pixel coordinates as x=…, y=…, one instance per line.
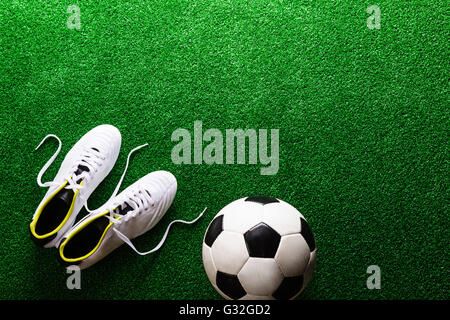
x=282, y=217
x=208, y=263
x=229, y=252
x=260, y=276
x=310, y=267
x=293, y=255
x=242, y=216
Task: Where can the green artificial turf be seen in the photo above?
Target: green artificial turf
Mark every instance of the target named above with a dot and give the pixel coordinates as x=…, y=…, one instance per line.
x=362, y=115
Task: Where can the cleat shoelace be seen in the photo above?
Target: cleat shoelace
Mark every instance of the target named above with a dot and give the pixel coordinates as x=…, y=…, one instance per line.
x=161, y=242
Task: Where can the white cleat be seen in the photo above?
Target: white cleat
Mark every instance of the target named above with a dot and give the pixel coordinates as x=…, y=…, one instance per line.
x=128, y=215
x=88, y=162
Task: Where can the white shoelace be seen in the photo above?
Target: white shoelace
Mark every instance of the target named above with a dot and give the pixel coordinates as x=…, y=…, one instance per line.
x=135, y=199
x=161, y=242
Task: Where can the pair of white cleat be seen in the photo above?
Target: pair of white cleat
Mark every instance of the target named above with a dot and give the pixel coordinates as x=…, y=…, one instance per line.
x=124, y=216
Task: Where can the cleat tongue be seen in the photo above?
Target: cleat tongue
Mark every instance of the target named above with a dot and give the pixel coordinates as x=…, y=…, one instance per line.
x=79, y=171
x=66, y=195
x=123, y=211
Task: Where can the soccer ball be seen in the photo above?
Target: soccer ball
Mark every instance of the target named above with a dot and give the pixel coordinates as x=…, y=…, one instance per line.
x=259, y=248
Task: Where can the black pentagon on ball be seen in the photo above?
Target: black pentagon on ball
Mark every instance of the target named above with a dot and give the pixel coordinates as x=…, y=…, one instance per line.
x=307, y=234
x=214, y=229
x=288, y=288
x=230, y=285
x=262, y=199
x=262, y=241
